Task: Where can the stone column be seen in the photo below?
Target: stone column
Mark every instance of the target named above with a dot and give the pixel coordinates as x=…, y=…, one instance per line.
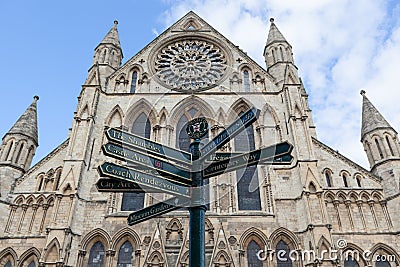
x=24, y=208
x=34, y=209
x=360, y=209
x=11, y=217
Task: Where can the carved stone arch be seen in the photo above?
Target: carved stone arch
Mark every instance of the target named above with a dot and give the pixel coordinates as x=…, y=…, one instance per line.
x=226, y=259
x=155, y=258
x=32, y=254
x=377, y=196
x=209, y=229
x=19, y=200
x=51, y=253
x=163, y=115
x=297, y=111
x=135, y=67
x=310, y=178
x=125, y=234
x=139, y=107
x=330, y=196
x=345, y=172
x=8, y=255
x=115, y=117
x=191, y=101
x=191, y=24
x=235, y=77
x=245, y=66
x=323, y=241
x=364, y=195
x=95, y=235
x=383, y=248
x=184, y=261
x=174, y=225
x=352, y=250
x=252, y=234
x=267, y=109
x=220, y=115
x=41, y=199
x=30, y=200
x=311, y=187
x=353, y=196
x=241, y=104
x=341, y=195
x=284, y=234
x=50, y=199
x=84, y=113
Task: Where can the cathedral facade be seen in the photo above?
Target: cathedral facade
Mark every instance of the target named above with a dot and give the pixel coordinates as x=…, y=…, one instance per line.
x=320, y=209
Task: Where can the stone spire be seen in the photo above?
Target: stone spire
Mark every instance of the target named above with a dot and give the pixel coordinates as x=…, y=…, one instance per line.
x=112, y=36
x=27, y=124
x=274, y=34
x=372, y=119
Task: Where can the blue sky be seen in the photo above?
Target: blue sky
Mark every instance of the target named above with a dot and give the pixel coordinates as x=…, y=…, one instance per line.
x=340, y=48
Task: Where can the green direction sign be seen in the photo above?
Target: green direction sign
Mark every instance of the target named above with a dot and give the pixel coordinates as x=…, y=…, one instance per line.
x=267, y=154
x=244, y=120
x=156, y=210
x=220, y=156
x=144, y=180
x=166, y=169
x=117, y=185
x=149, y=146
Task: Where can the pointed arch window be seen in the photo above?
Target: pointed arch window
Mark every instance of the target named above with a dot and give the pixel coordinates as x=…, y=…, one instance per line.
x=358, y=180
x=32, y=264
x=390, y=147
x=41, y=178
x=57, y=182
x=21, y=147
x=9, y=150
x=281, y=50
x=252, y=249
x=350, y=262
x=246, y=80
x=141, y=127
x=125, y=255
x=378, y=146
x=284, y=259
x=247, y=179
x=345, y=183
x=328, y=178
x=273, y=56
x=96, y=256
x=112, y=57
x=103, y=59
x=8, y=264
x=134, y=81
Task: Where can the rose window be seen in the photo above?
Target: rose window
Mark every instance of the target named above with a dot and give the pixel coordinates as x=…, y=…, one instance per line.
x=190, y=65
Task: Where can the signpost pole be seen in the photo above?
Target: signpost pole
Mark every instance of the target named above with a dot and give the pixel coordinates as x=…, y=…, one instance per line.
x=197, y=211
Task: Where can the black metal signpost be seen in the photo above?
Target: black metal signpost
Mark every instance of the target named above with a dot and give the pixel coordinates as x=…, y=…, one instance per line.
x=150, y=170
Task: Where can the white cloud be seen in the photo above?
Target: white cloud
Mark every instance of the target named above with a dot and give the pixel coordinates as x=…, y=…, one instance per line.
x=340, y=48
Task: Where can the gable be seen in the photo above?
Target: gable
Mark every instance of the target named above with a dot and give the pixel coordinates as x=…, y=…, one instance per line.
x=190, y=56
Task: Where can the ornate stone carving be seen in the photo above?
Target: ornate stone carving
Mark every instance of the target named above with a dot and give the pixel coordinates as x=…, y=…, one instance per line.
x=190, y=65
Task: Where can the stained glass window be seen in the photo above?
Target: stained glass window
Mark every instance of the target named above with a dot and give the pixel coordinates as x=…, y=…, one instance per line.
x=135, y=201
x=134, y=81
x=247, y=184
x=246, y=80
x=125, y=255
x=96, y=256
x=252, y=260
x=8, y=264
x=283, y=258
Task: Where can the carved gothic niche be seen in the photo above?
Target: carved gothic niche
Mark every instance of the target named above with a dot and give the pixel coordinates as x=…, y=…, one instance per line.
x=209, y=232
x=174, y=231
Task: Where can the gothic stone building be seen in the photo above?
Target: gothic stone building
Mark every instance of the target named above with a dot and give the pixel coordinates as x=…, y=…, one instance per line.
x=53, y=215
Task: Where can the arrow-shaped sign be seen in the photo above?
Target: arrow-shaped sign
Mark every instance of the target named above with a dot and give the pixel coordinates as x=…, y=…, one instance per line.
x=169, y=171
x=220, y=156
x=156, y=210
x=117, y=185
x=143, y=180
x=244, y=120
x=144, y=144
x=248, y=159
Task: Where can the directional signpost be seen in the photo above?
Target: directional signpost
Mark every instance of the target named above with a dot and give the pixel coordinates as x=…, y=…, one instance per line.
x=154, y=167
x=267, y=154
